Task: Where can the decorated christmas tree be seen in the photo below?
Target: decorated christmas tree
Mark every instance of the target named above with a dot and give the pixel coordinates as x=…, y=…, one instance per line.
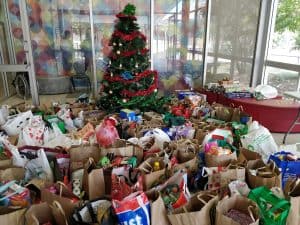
x=127, y=82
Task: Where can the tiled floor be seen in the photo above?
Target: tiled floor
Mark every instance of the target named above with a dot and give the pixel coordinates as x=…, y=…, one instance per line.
x=63, y=98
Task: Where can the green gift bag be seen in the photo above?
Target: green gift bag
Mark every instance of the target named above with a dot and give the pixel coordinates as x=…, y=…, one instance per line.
x=273, y=210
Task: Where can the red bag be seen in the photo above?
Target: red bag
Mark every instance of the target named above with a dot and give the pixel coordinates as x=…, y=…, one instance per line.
x=107, y=132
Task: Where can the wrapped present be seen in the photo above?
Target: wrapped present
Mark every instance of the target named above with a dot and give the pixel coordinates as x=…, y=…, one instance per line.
x=127, y=114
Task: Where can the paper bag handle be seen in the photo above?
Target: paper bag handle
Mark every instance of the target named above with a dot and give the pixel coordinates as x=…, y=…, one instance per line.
x=250, y=208
x=57, y=205
x=61, y=185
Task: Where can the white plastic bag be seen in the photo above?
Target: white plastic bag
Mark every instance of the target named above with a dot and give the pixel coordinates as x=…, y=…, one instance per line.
x=33, y=133
x=266, y=91
x=39, y=167
x=65, y=115
x=160, y=138
x=260, y=140
x=238, y=187
x=226, y=134
x=4, y=112
x=16, y=123
x=18, y=160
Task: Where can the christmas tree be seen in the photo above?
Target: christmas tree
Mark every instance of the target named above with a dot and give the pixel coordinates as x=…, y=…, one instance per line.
x=127, y=82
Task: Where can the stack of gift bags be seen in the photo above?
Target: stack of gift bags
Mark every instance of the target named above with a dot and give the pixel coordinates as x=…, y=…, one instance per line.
x=195, y=164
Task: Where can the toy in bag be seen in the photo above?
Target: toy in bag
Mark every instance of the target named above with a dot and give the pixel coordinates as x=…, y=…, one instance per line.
x=12, y=194
x=288, y=163
x=107, y=132
x=273, y=210
x=134, y=209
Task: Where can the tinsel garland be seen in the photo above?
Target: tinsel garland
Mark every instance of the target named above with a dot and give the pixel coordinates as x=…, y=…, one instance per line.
x=129, y=37
x=129, y=53
x=150, y=90
x=123, y=16
x=118, y=78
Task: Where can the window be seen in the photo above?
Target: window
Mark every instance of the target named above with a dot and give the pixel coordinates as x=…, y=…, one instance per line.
x=179, y=27
x=232, y=39
x=283, y=58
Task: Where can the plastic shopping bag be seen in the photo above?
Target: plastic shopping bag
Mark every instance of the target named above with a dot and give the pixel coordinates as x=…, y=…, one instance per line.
x=16, y=123
x=33, y=133
x=4, y=113
x=38, y=166
x=288, y=164
x=259, y=139
x=134, y=209
x=107, y=132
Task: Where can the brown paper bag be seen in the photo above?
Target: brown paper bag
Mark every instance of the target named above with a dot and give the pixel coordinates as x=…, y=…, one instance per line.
x=12, y=173
x=220, y=177
x=123, y=148
x=186, y=150
x=196, y=211
x=93, y=180
x=190, y=166
x=219, y=160
x=158, y=211
x=39, y=214
x=150, y=176
x=10, y=216
x=239, y=203
x=79, y=155
x=292, y=191
x=266, y=175
x=58, y=213
x=66, y=198
x=247, y=155
x=224, y=113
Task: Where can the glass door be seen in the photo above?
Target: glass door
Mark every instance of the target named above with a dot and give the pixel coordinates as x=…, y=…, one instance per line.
x=6, y=57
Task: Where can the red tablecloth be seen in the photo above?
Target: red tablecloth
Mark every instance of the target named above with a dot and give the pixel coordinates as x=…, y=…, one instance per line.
x=275, y=114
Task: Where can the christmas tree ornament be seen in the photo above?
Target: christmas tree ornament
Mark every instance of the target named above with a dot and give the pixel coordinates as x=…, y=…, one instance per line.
x=120, y=44
x=110, y=92
x=120, y=65
x=118, y=52
x=124, y=100
x=114, y=44
x=155, y=90
x=127, y=75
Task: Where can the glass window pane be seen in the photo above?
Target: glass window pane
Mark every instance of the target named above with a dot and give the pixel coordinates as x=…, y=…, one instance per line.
x=282, y=80
x=178, y=43
x=232, y=37
x=285, y=39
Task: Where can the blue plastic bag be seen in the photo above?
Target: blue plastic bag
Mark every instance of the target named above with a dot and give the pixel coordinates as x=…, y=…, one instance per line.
x=289, y=169
x=133, y=210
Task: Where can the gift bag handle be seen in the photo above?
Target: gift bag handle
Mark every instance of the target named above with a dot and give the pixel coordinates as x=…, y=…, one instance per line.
x=58, y=206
